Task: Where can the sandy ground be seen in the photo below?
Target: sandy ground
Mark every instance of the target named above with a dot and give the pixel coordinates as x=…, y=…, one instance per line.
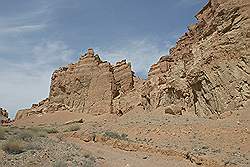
x=119, y=158
x=207, y=142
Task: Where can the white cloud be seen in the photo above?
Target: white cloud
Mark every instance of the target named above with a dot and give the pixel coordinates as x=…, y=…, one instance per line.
x=22, y=28
x=24, y=83
x=141, y=53
x=34, y=19
x=56, y=52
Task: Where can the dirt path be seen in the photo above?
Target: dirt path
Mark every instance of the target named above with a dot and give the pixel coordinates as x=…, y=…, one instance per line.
x=111, y=157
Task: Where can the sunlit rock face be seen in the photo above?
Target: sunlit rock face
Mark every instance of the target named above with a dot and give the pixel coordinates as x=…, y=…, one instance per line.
x=89, y=86
x=207, y=72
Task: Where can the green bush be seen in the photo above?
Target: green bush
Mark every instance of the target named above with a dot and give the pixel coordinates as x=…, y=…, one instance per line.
x=51, y=130
x=42, y=134
x=73, y=128
x=60, y=164
x=35, y=129
x=88, y=163
x=115, y=135
x=26, y=135
x=32, y=146
x=2, y=133
x=38, y=131
x=13, y=146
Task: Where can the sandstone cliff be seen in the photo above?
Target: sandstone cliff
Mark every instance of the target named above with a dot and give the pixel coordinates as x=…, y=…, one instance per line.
x=207, y=72
x=89, y=86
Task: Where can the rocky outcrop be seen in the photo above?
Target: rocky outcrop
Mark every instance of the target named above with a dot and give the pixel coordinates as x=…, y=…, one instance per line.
x=3, y=114
x=207, y=72
x=89, y=86
x=123, y=79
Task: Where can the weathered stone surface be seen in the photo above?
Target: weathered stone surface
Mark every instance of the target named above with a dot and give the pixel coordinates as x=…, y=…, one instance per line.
x=207, y=72
x=3, y=114
x=90, y=85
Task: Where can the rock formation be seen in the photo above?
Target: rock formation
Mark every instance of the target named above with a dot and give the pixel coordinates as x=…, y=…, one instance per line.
x=207, y=72
x=89, y=86
x=3, y=114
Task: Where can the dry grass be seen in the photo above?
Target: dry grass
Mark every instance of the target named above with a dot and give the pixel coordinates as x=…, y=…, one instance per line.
x=51, y=130
x=73, y=128
x=26, y=135
x=60, y=136
x=60, y=164
x=13, y=146
x=2, y=133
x=115, y=135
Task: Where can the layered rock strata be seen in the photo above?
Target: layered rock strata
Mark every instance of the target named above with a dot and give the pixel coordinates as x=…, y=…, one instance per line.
x=207, y=72
x=89, y=86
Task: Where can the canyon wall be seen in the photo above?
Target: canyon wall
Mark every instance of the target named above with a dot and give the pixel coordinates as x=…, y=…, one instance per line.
x=88, y=86
x=207, y=72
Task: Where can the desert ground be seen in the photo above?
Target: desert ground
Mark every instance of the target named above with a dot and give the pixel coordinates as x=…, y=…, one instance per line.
x=193, y=109
x=137, y=139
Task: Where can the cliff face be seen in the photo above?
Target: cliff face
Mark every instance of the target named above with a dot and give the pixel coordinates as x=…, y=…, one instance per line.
x=89, y=86
x=207, y=72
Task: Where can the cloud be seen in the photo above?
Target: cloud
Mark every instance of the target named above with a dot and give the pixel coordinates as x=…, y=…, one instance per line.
x=141, y=53
x=52, y=53
x=27, y=82
x=22, y=28
x=34, y=18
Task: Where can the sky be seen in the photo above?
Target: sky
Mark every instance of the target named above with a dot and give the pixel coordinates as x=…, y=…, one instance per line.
x=37, y=37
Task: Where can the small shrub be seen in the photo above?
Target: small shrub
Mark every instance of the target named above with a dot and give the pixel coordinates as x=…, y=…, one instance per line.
x=2, y=133
x=88, y=163
x=124, y=136
x=42, y=134
x=60, y=164
x=112, y=135
x=39, y=132
x=26, y=135
x=35, y=129
x=51, y=130
x=115, y=135
x=73, y=128
x=32, y=146
x=60, y=137
x=13, y=146
x=89, y=155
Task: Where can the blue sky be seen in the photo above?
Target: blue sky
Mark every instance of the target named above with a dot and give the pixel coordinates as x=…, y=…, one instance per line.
x=37, y=37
